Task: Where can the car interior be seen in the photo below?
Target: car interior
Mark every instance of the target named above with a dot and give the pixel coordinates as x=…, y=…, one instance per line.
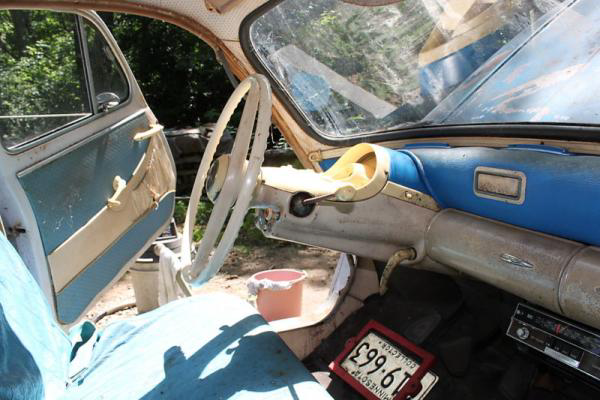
x=449, y=160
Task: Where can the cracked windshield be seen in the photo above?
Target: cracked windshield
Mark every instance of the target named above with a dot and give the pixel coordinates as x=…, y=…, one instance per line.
x=354, y=69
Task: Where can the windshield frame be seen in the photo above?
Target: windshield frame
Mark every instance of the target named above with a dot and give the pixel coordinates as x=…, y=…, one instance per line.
x=418, y=130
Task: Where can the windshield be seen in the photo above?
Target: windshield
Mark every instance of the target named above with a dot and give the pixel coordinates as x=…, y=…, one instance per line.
x=352, y=69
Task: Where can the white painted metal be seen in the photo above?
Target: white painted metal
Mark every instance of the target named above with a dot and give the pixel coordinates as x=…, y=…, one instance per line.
x=14, y=205
x=374, y=228
x=239, y=185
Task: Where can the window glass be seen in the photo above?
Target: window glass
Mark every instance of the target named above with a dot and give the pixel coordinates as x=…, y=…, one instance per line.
x=110, y=84
x=352, y=69
x=42, y=79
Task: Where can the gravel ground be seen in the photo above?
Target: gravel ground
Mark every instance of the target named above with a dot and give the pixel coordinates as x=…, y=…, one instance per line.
x=319, y=264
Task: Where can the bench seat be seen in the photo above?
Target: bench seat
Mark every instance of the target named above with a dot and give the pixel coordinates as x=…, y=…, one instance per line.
x=206, y=347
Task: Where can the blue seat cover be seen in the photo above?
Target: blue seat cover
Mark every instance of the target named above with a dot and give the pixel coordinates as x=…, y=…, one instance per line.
x=34, y=351
x=206, y=347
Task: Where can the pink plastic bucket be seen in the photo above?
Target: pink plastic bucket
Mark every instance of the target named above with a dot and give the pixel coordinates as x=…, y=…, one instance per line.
x=279, y=293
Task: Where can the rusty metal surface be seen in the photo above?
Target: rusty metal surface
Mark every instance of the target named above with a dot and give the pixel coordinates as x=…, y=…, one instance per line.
x=579, y=293
x=522, y=262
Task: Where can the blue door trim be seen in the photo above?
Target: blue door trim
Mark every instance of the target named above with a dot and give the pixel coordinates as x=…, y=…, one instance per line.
x=79, y=293
x=68, y=191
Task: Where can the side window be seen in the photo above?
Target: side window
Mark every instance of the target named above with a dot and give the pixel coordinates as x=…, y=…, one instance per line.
x=42, y=78
x=108, y=80
x=55, y=69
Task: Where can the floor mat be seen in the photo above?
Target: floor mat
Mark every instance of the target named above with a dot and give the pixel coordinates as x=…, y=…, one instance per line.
x=462, y=322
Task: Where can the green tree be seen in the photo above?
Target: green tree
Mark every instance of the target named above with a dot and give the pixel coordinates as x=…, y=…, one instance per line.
x=40, y=73
x=177, y=72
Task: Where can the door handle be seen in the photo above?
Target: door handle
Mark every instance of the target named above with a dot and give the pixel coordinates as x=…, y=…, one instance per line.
x=154, y=129
x=123, y=188
x=119, y=184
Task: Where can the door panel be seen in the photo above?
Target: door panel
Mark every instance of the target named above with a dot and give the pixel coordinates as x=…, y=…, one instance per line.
x=143, y=189
x=72, y=300
x=68, y=191
x=98, y=188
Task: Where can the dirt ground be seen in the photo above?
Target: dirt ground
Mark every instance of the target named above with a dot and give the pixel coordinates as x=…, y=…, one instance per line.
x=319, y=265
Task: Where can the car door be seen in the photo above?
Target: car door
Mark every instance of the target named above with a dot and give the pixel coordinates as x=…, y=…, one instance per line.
x=89, y=177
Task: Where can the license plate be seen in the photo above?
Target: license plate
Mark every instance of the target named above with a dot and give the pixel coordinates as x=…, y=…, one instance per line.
x=379, y=368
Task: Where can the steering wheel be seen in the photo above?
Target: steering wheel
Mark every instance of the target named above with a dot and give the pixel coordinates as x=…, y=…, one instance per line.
x=239, y=183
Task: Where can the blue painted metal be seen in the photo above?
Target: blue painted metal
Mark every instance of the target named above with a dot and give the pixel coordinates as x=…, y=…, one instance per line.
x=34, y=351
x=312, y=92
x=561, y=191
x=68, y=191
x=407, y=171
x=327, y=163
x=75, y=297
x=487, y=70
x=440, y=77
x=207, y=347
x=540, y=147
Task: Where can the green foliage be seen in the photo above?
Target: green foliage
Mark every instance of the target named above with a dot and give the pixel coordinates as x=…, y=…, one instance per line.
x=204, y=210
x=177, y=72
x=40, y=72
x=376, y=48
x=179, y=212
x=250, y=236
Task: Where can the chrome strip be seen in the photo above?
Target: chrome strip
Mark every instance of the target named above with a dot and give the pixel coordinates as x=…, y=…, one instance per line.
x=519, y=177
x=561, y=357
x=516, y=261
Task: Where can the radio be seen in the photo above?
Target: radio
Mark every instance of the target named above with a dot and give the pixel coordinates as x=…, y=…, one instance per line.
x=563, y=341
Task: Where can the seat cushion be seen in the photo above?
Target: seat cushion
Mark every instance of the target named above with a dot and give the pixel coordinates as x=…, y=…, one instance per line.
x=34, y=351
x=206, y=347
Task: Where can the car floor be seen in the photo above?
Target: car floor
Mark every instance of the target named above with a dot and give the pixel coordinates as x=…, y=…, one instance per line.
x=319, y=265
x=463, y=323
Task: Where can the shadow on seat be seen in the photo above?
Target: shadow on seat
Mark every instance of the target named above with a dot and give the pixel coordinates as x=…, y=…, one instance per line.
x=225, y=382
x=210, y=347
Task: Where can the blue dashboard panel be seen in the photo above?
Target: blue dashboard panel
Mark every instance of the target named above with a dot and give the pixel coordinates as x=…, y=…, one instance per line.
x=327, y=163
x=406, y=170
x=561, y=192
x=68, y=191
x=561, y=195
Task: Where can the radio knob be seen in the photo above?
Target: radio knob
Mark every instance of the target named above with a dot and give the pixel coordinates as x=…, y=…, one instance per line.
x=522, y=333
